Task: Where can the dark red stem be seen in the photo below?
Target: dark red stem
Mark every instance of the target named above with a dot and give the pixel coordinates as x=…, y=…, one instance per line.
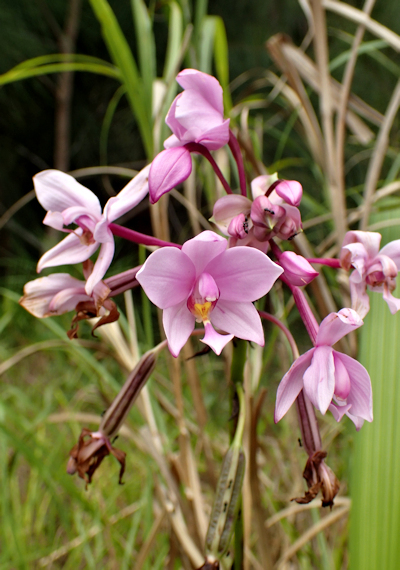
x=200, y=149
x=138, y=237
x=237, y=155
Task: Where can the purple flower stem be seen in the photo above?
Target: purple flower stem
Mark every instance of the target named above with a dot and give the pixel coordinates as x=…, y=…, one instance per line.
x=138, y=237
x=122, y=281
x=237, y=155
x=335, y=263
x=200, y=149
x=286, y=331
x=311, y=438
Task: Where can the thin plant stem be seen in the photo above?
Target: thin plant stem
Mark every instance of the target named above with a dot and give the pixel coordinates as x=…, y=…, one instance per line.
x=200, y=149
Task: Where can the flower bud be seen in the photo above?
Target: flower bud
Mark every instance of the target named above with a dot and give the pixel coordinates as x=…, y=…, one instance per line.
x=226, y=503
x=297, y=269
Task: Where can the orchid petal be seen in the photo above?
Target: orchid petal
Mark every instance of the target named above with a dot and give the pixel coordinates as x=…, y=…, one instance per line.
x=168, y=169
x=203, y=248
x=290, y=191
x=178, y=324
x=319, y=378
x=260, y=185
x=359, y=297
x=103, y=262
x=39, y=292
x=297, y=269
x=206, y=85
x=57, y=191
x=215, y=340
x=54, y=220
x=291, y=385
x=392, y=250
x=360, y=396
x=370, y=241
x=227, y=208
x=338, y=410
x=354, y=255
x=167, y=277
x=67, y=299
x=393, y=303
x=336, y=325
x=243, y=274
x=240, y=319
x=215, y=138
x=69, y=251
x=129, y=196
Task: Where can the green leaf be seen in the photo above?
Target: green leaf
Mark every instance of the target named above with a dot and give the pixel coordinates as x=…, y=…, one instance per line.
x=124, y=60
x=375, y=489
x=146, y=48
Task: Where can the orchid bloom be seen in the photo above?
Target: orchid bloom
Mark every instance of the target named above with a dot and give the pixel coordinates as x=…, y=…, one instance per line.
x=373, y=268
x=68, y=202
x=208, y=283
x=330, y=379
x=196, y=116
x=56, y=294
x=266, y=217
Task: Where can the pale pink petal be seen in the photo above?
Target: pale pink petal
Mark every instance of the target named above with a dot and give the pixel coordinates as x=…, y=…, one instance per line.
x=339, y=410
x=215, y=138
x=129, y=197
x=67, y=299
x=72, y=213
x=54, y=220
x=243, y=274
x=57, y=191
x=290, y=191
x=196, y=115
x=204, y=248
x=319, y=378
x=172, y=142
x=360, y=396
x=168, y=169
x=358, y=422
x=260, y=185
x=227, y=208
x=215, y=340
x=342, y=378
x=167, y=277
x=103, y=262
x=392, y=250
x=240, y=319
x=69, y=251
x=370, y=241
x=297, y=269
x=359, y=297
x=354, y=255
x=336, y=325
x=101, y=232
x=393, y=303
x=206, y=85
x=291, y=385
x=39, y=292
x=178, y=324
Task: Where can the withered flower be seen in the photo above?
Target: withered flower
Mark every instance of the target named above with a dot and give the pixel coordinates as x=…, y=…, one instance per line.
x=318, y=475
x=92, y=447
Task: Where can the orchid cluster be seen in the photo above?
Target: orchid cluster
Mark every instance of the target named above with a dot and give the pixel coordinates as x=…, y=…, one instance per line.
x=216, y=277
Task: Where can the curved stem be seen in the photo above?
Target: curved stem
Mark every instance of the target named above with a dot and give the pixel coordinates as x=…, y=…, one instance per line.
x=138, y=237
x=284, y=329
x=237, y=155
x=330, y=262
x=200, y=149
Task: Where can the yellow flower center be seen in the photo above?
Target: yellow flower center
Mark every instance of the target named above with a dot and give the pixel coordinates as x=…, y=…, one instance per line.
x=201, y=310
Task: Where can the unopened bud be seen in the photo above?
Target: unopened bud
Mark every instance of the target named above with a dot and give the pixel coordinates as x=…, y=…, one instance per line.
x=226, y=503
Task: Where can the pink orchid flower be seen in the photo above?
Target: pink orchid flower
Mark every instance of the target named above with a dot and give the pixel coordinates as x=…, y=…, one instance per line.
x=330, y=379
x=68, y=202
x=373, y=268
x=196, y=116
x=264, y=218
x=210, y=284
x=59, y=293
